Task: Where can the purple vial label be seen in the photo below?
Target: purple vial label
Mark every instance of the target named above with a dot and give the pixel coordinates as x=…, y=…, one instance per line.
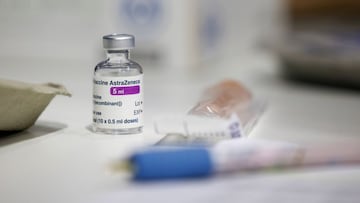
x=125, y=90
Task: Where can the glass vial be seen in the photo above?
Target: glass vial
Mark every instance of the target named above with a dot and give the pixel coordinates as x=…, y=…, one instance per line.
x=118, y=89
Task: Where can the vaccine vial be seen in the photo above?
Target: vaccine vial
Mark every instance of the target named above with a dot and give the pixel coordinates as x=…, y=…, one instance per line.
x=118, y=89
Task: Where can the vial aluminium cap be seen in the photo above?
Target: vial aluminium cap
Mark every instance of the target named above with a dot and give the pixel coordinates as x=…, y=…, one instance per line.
x=118, y=41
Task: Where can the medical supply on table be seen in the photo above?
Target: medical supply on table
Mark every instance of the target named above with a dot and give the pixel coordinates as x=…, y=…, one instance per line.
x=232, y=156
x=118, y=89
x=226, y=110
x=228, y=98
x=22, y=103
x=191, y=129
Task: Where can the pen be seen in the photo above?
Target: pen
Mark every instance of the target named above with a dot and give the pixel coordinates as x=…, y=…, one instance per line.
x=157, y=163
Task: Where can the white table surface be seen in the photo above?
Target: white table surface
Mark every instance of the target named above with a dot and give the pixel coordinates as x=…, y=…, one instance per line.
x=59, y=160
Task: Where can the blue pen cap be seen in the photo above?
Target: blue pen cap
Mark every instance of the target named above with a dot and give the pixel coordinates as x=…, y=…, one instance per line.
x=169, y=163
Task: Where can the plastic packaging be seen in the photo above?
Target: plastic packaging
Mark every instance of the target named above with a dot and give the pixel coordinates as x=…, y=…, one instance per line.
x=227, y=99
x=226, y=110
x=192, y=129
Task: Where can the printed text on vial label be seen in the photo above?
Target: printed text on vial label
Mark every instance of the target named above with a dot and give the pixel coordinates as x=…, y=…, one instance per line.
x=118, y=103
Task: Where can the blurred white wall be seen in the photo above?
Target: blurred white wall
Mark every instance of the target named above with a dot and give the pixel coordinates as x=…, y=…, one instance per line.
x=170, y=34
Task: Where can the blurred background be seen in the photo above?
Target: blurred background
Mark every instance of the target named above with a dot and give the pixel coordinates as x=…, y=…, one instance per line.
x=314, y=40
x=267, y=45
x=178, y=35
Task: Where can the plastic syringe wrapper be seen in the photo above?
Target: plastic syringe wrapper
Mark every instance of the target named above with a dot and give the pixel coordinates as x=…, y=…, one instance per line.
x=229, y=99
x=226, y=111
